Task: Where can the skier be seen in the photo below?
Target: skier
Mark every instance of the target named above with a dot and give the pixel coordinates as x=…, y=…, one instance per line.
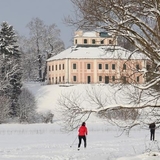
x=152, y=128
x=82, y=135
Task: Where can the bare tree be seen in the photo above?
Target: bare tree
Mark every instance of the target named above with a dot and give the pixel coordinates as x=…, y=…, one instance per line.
x=44, y=41
x=125, y=106
x=125, y=43
x=71, y=109
x=139, y=23
x=136, y=21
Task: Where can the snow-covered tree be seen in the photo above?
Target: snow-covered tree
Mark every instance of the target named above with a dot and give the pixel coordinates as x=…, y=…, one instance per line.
x=44, y=41
x=47, y=117
x=26, y=111
x=10, y=64
x=117, y=104
x=29, y=60
x=139, y=23
x=4, y=108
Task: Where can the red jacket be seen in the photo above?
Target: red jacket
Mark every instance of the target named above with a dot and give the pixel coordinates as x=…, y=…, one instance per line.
x=82, y=131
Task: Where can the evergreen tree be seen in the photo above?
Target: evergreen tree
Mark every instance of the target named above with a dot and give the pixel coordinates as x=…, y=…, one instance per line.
x=10, y=61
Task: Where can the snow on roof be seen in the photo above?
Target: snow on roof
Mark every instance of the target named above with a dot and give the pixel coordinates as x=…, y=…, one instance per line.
x=88, y=34
x=97, y=52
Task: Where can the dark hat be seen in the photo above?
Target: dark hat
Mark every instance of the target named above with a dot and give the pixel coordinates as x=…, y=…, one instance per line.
x=83, y=124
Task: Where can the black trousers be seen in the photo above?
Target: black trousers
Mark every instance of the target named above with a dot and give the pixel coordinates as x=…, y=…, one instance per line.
x=80, y=140
x=152, y=134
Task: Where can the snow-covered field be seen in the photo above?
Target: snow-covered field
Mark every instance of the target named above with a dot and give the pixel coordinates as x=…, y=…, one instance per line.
x=48, y=142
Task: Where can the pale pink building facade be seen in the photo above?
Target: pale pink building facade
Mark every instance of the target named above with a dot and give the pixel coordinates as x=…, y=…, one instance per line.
x=93, y=38
x=92, y=61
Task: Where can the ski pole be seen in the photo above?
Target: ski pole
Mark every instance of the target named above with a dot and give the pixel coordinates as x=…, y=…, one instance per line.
x=73, y=142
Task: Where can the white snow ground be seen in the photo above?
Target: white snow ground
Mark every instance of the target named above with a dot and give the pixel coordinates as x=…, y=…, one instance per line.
x=48, y=142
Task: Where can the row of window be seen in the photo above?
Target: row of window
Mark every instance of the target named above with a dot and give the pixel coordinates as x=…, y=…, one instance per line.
x=62, y=79
x=100, y=66
x=57, y=80
x=100, y=78
x=124, y=78
x=56, y=67
x=85, y=41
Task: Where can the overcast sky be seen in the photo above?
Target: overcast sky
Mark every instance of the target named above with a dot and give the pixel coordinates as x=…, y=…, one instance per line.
x=19, y=13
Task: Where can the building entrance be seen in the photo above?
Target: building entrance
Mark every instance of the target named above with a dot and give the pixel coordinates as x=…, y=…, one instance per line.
x=89, y=79
x=106, y=79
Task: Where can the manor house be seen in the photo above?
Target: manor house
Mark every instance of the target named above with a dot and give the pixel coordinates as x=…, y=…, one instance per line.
x=95, y=57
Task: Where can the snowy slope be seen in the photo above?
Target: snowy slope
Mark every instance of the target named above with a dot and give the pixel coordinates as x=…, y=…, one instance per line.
x=48, y=142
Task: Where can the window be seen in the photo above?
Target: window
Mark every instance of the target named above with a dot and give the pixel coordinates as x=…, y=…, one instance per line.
x=63, y=66
x=113, y=78
x=148, y=67
x=124, y=66
x=88, y=66
x=74, y=78
x=137, y=67
x=56, y=80
x=88, y=79
x=110, y=42
x=100, y=78
x=106, y=66
x=59, y=67
x=113, y=66
x=52, y=67
x=49, y=68
x=102, y=41
x=137, y=79
x=59, y=79
x=56, y=67
x=74, y=66
x=93, y=41
x=100, y=66
x=75, y=41
x=85, y=41
x=63, y=78
x=124, y=79
x=106, y=79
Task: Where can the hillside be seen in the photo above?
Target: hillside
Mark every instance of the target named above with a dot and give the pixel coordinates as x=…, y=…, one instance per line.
x=48, y=96
x=47, y=141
